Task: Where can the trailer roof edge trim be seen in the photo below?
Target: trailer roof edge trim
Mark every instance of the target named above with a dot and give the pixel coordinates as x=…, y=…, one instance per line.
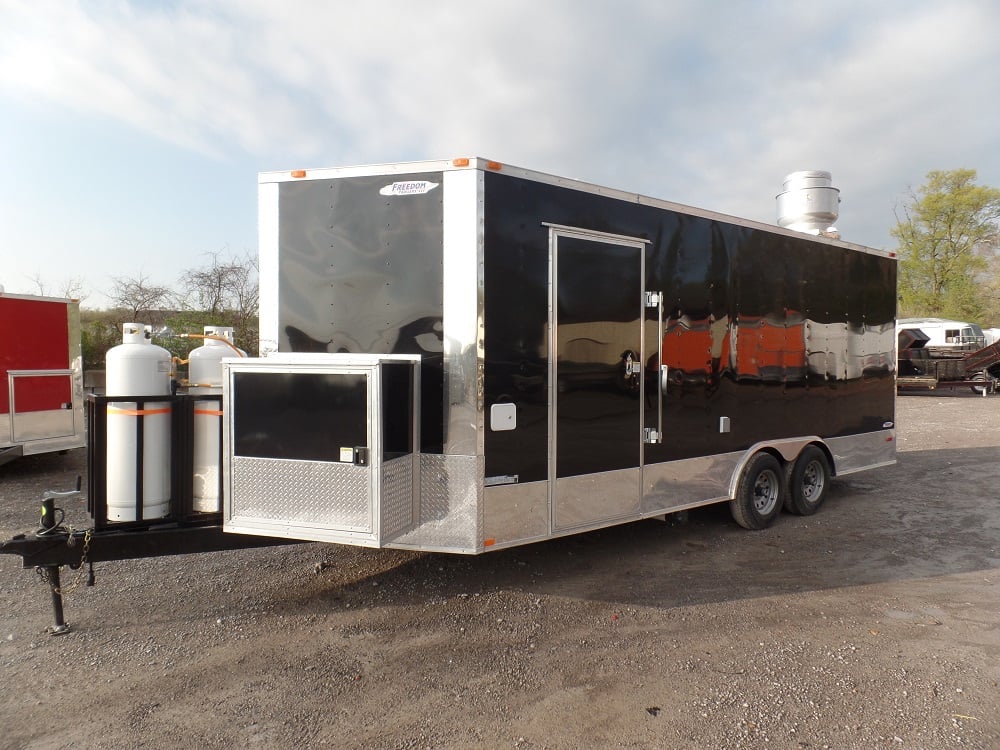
x=482, y=164
x=37, y=298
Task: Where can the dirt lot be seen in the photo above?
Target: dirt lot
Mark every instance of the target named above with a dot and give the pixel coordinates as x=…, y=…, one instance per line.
x=873, y=624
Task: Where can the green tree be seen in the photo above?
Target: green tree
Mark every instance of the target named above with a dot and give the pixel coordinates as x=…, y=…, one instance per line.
x=99, y=331
x=947, y=236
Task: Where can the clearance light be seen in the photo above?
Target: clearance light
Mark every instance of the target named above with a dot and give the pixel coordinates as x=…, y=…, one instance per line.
x=298, y=173
x=489, y=542
x=494, y=165
x=462, y=162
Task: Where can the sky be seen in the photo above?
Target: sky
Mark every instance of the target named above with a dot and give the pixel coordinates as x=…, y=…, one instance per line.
x=132, y=132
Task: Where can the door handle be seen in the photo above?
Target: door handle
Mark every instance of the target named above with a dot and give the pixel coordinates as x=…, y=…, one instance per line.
x=655, y=435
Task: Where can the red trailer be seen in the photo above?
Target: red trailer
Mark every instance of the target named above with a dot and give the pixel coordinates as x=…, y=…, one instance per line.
x=41, y=376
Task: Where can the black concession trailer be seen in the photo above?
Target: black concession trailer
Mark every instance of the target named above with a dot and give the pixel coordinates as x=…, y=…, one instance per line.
x=467, y=355
x=463, y=356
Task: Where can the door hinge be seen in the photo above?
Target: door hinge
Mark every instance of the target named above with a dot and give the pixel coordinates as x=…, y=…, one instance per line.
x=649, y=435
x=652, y=299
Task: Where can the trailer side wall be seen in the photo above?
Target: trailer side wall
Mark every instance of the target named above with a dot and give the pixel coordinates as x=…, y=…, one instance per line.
x=782, y=336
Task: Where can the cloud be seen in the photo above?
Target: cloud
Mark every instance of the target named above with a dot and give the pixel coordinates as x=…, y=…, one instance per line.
x=697, y=102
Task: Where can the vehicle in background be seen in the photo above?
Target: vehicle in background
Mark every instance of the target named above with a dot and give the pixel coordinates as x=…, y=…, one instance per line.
x=947, y=334
x=938, y=353
x=41, y=376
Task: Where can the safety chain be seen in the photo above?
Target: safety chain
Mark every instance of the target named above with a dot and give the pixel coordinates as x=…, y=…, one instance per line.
x=43, y=572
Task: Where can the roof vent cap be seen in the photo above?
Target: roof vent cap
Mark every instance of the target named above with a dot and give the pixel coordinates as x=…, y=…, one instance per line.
x=809, y=203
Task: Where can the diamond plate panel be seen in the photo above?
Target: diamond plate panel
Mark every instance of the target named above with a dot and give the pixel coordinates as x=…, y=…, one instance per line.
x=317, y=493
x=451, y=510
x=396, y=499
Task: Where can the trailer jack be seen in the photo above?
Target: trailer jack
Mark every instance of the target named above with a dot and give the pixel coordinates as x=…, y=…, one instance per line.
x=51, y=528
x=50, y=575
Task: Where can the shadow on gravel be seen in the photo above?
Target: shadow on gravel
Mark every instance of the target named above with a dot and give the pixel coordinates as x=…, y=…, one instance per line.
x=935, y=513
x=927, y=516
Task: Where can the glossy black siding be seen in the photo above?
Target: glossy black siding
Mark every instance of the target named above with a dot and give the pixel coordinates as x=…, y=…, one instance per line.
x=749, y=315
x=361, y=272
x=306, y=417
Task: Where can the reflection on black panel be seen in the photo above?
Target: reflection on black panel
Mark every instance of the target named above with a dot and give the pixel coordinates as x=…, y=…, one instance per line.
x=304, y=416
x=397, y=410
x=597, y=350
x=361, y=271
x=784, y=336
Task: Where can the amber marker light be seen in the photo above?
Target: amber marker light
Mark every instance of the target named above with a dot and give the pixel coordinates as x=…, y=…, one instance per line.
x=489, y=542
x=494, y=165
x=461, y=162
x=298, y=173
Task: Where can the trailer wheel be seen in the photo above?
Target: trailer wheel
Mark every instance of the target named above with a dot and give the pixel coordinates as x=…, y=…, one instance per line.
x=759, y=492
x=980, y=390
x=808, y=480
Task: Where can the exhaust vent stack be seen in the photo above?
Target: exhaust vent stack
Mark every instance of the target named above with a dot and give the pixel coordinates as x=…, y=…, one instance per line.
x=809, y=203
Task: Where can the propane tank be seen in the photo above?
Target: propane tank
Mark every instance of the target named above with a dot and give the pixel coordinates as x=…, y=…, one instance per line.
x=138, y=368
x=205, y=377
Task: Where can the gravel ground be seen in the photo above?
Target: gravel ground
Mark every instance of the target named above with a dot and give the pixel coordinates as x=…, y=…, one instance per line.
x=873, y=624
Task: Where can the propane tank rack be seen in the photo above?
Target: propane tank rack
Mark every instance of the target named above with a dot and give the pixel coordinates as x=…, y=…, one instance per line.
x=180, y=507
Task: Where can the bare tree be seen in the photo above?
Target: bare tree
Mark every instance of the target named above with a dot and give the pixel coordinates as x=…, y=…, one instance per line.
x=137, y=296
x=224, y=284
x=71, y=289
x=227, y=289
x=40, y=287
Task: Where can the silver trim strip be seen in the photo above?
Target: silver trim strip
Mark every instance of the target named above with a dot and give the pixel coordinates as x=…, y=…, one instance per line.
x=463, y=312
x=594, y=236
x=268, y=266
x=557, y=231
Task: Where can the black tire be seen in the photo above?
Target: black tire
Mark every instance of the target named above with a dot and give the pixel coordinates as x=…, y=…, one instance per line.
x=808, y=481
x=980, y=390
x=760, y=492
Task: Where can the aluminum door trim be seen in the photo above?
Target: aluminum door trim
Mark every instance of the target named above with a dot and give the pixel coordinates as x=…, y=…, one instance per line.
x=557, y=231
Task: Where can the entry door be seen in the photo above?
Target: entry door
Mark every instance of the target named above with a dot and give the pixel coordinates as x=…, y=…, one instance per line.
x=41, y=404
x=596, y=376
